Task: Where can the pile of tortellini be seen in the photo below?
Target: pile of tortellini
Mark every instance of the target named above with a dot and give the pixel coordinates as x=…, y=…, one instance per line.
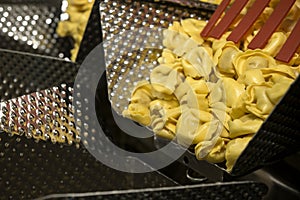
x=78, y=12
x=211, y=94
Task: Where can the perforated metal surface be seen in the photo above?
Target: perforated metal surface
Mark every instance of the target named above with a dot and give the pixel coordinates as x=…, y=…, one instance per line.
x=22, y=73
x=44, y=115
x=30, y=26
x=30, y=170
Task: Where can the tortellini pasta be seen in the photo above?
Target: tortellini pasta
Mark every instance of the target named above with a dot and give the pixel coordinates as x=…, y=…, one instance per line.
x=139, y=110
x=234, y=148
x=211, y=94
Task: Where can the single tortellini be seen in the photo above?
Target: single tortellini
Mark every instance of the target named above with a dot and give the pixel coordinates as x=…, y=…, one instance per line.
x=199, y=86
x=252, y=77
x=217, y=93
x=233, y=90
x=234, y=148
x=252, y=59
x=279, y=70
x=193, y=27
x=167, y=57
x=139, y=113
x=142, y=93
x=200, y=59
x=221, y=112
x=197, y=94
x=197, y=101
x=190, y=130
x=239, y=108
x=189, y=70
x=219, y=43
x=257, y=101
x=176, y=26
x=279, y=89
x=247, y=124
x=138, y=109
x=224, y=57
x=216, y=154
x=164, y=116
x=185, y=47
x=173, y=39
x=164, y=79
x=206, y=137
x=187, y=126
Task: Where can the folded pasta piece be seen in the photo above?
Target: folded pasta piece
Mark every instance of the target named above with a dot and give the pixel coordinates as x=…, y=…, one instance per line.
x=248, y=124
x=220, y=111
x=256, y=100
x=216, y=154
x=164, y=116
x=207, y=137
x=239, y=108
x=173, y=39
x=142, y=93
x=219, y=43
x=181, y=90
x=217, y=93
x=138, y=109
x=190, y=130
x=252, y=77
x=193, y=94
x=186, y=46
x=176, y=26
x=168, y=57
x=234, y=149
x=139, y=113
x=193, y=27
x=233, y=90
x=189, y=70
x=187, y=126
x=252, y=59
x=279, y=70
x=200, y=59
x=164, y=79
x=197, y=101
x=278, y=89
x=224, y=56
x=199, y=86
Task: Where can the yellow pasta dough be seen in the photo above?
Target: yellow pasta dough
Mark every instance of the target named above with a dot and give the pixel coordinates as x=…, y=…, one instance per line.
x=234, y=148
